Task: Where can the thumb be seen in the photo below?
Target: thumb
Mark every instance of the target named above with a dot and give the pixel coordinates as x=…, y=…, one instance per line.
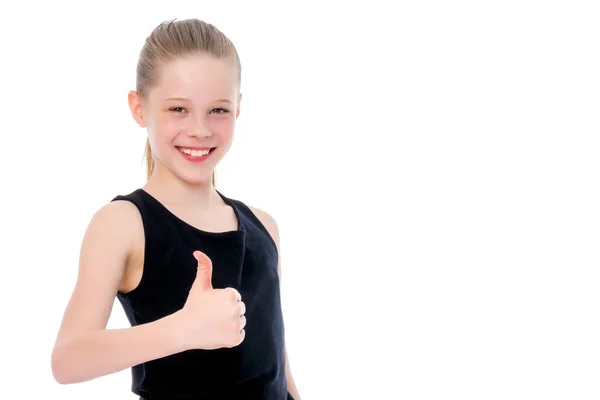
x=204, y=275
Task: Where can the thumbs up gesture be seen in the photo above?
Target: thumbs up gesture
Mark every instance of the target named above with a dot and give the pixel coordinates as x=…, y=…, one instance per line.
x=212, y=318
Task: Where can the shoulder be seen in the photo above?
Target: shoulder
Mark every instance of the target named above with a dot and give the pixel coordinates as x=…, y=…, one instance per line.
x=117, y=212
x=268, y=221
x=118, y=221
x=270, y=224
x=114, y=235
x=265, y=218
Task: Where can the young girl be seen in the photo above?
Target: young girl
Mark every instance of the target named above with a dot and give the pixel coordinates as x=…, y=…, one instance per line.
x=197, y=273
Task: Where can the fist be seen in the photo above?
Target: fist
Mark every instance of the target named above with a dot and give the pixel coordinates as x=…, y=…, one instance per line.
x=212, y=318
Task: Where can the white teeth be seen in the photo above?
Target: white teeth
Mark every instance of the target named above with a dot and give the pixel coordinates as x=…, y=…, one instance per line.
x=194, y=153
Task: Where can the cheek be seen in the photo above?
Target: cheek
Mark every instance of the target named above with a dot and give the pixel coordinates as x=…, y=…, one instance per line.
x=223, y=127
x=166, y=128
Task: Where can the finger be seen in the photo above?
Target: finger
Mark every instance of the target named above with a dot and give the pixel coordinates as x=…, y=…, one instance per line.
x=242, y=322
x=242, y=308
x=204, y=274
x=236, y=294
x=238, y=339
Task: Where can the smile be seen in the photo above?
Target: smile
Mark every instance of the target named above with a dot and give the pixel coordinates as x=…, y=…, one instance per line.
x=194, y=153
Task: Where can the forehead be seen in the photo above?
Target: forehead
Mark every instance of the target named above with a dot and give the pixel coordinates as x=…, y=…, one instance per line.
x=198, y=77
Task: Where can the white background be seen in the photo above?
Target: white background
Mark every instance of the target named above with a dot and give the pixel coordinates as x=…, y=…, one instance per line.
x=433, y=167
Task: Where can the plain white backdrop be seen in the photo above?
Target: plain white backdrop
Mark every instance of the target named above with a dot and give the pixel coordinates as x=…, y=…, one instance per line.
x=433, y=167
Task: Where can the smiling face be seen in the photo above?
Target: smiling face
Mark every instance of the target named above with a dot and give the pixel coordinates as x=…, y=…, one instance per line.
x=190, y=115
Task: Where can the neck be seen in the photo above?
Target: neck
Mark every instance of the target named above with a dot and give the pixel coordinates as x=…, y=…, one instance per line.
x=172, y=190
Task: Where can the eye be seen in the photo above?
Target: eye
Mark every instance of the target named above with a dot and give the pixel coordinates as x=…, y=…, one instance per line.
x=177, y=110
x=220, y=110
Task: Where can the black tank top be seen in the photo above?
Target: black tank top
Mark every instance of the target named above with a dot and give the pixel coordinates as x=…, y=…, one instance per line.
x=245, y=259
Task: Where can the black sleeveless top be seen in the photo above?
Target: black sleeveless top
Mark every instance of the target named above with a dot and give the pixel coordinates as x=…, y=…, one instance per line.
x=245, y=259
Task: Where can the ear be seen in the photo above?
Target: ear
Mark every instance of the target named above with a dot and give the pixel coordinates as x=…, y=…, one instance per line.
x=135, y=105
x=237, y=112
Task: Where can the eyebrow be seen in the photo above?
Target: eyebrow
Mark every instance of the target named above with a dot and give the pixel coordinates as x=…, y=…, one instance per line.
x=184, y=99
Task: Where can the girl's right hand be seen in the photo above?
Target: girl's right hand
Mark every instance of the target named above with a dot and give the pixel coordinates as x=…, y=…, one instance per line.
x=211, y=318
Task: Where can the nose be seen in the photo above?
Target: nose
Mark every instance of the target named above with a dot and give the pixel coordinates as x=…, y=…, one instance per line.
x=200, y=133
x=199, y=129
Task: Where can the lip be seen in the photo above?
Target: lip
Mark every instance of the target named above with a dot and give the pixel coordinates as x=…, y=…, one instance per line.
x=195, y=147
x=195, y=159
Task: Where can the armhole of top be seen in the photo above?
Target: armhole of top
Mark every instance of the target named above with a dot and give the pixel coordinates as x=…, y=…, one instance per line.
x=259, y=223
x=137, y=202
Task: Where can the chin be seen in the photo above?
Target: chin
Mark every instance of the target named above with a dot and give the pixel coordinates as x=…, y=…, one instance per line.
x=191, y=178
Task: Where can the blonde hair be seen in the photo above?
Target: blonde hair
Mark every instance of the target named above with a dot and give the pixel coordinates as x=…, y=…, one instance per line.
x=173, y=39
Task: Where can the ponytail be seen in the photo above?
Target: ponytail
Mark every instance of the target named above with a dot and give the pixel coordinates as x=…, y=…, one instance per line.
x=150, y=163
x=149, y=159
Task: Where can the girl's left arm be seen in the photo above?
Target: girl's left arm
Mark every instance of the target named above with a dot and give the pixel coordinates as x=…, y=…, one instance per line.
x=269, y=222
x=290, y=379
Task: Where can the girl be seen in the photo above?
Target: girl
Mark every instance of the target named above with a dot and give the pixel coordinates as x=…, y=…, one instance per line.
x=197, y=273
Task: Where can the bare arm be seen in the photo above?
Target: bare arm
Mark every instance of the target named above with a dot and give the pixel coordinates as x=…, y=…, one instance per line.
x=271, y=225
x=292, y=388
x=84, y=348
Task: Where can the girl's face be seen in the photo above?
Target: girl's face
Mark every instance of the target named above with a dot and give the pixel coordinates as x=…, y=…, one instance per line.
x=192, y=110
